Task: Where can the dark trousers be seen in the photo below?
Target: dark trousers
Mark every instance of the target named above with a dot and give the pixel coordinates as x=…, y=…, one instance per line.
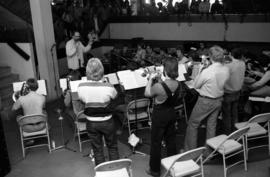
x=163, y=127
x=97, y=130
x=230, y=111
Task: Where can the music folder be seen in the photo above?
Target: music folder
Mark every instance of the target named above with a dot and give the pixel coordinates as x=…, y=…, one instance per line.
x=132, y=79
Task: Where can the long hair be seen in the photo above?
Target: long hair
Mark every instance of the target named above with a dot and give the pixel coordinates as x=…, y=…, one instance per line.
x=94, y=69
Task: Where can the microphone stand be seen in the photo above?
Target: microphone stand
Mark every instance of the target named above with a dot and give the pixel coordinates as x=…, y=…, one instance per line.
x=64, y=144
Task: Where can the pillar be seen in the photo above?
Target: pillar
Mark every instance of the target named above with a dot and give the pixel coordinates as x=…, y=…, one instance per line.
x=45, y=46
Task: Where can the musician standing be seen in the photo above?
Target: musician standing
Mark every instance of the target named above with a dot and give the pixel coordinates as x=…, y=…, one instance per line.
x=232, y=90
x=210, y=85
x=75, y=50
x=166, y=94
x=97, y=96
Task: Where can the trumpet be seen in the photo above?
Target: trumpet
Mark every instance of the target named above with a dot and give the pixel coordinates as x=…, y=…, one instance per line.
x=24, y=91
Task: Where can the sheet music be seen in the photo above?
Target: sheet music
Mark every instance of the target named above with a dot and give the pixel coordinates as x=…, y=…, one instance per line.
x=127, y=79
x=74, y=85
x=41, y=87
x=112, y=77
x=63, y=84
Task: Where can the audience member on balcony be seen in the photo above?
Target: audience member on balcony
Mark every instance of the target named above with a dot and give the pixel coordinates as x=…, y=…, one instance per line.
x=75, y=50
x=126, y=8
x=68, y=22
x=217, y=7
x=194, y=6
x=210, y=85
x=183, y=7
x=204, y=8
x=162, y=9
x=97, y=96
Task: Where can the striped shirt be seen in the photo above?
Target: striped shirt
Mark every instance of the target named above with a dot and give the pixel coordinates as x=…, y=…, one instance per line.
x=96, y=95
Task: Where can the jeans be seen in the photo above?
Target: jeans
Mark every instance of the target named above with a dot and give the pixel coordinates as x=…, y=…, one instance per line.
x=97, y=130
x=163, y=127
x=230, y=111
x=204, y=108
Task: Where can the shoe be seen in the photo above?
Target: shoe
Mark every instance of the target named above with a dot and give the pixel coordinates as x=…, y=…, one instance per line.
x=152, y=173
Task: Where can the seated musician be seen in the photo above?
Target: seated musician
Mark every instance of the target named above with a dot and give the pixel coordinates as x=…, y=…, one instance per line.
x=261, y=85
x=140, y=55
x=31, y=103
x=180, y=57
x=97, y=96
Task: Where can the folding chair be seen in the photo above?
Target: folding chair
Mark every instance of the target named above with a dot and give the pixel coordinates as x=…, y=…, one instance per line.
x=257, y=131
x=33, y=127
x=80, y=129
x=116, y=168
x=188, y=163
x=229, y=146
x=138, y=111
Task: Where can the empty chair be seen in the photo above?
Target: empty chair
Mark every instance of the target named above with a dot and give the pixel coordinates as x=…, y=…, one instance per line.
x=138, y=111
x=188, y=163
x=116, y=168
x=80, y=129
x=33, y=127
x=229, y=146
x=257, y=131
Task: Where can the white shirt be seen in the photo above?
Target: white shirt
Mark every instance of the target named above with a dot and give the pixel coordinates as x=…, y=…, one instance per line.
x=210, y=82
x=74, y=52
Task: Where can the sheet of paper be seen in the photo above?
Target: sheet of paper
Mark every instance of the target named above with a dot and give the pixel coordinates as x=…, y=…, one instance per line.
x=41, y=87
x=113, y=79
x=127, y=79
x=141, y=81
x=63, y=84
x=74, y=85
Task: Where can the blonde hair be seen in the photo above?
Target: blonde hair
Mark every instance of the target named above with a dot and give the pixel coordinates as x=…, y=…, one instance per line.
x=216, y=54
x=94, y=69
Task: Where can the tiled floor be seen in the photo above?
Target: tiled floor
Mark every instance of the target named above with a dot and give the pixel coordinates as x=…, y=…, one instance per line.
x=39, y=163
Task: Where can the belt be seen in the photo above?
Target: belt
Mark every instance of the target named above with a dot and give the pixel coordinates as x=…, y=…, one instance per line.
x=210, y=97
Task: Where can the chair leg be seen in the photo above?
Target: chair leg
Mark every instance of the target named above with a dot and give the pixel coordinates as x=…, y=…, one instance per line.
x=22, y=143
x=246, y=147
x=202, y=170
x=224, y=165
x=49, y=140
x=79, y=140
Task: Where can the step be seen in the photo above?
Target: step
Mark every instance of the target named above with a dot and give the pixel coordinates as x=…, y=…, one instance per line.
x=5, y=71
x=6, y=90
x=9, y=79
x=7, y=100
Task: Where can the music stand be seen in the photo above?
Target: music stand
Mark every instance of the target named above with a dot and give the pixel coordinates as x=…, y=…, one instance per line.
x=132, y=80
x=64, y=144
